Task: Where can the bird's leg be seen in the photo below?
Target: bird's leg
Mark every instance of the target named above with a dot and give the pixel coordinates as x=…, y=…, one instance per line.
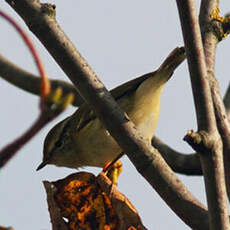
x=113, y=169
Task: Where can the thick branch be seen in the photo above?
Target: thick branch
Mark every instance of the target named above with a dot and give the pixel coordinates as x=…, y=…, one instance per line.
x=223, y=127
x=188, y=164
x=210, y=41
x=211, y=159
x=147, y=160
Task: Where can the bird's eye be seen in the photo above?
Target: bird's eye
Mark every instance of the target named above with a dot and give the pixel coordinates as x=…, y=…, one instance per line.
x=58, y=144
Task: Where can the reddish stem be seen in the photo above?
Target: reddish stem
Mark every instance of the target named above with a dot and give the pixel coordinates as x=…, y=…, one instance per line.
x=45, y=84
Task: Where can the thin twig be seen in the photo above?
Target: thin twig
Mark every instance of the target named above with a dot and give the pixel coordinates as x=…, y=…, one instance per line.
x=52, y=106
x=10, y=150
x=45, y=85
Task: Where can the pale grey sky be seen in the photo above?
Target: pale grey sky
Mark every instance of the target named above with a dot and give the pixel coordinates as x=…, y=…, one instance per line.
x=120, y=40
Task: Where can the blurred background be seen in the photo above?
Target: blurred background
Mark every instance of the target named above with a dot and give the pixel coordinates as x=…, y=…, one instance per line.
x=120, y=40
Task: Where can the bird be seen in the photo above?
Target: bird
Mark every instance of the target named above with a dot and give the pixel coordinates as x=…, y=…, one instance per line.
x=81, y=140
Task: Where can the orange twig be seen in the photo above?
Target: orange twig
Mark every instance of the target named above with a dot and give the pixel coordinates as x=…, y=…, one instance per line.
x=45, y=84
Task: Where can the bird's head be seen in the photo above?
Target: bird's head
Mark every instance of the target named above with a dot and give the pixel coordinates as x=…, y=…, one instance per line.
x=53, y=144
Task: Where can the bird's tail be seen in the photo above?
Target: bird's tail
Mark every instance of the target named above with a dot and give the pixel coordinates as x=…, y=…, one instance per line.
x=173, y=60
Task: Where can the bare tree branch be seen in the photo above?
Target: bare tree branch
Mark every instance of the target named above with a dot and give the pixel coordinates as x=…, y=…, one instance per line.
x=49, y=110
x=147, y=160
x=188, y=164
x=31, y=83
x=207, y=141
x=210, y=39
x=227, y=102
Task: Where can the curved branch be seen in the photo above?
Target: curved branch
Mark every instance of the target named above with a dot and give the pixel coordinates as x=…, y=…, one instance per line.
x=45, y=84
x=49, y=110
x=188, y=164
x=31, y=83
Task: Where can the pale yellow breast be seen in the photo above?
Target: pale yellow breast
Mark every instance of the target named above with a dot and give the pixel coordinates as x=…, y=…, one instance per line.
x=145, y=115
x=147, y=108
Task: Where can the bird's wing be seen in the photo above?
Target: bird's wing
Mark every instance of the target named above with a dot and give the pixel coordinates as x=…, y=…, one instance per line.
x=129, y=87
x=85, y=114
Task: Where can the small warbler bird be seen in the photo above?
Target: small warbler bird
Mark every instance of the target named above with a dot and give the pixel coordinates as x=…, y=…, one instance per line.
x=81, y=139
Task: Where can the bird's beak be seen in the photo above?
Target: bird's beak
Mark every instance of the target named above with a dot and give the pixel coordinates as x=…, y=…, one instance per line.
x=42, y=165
